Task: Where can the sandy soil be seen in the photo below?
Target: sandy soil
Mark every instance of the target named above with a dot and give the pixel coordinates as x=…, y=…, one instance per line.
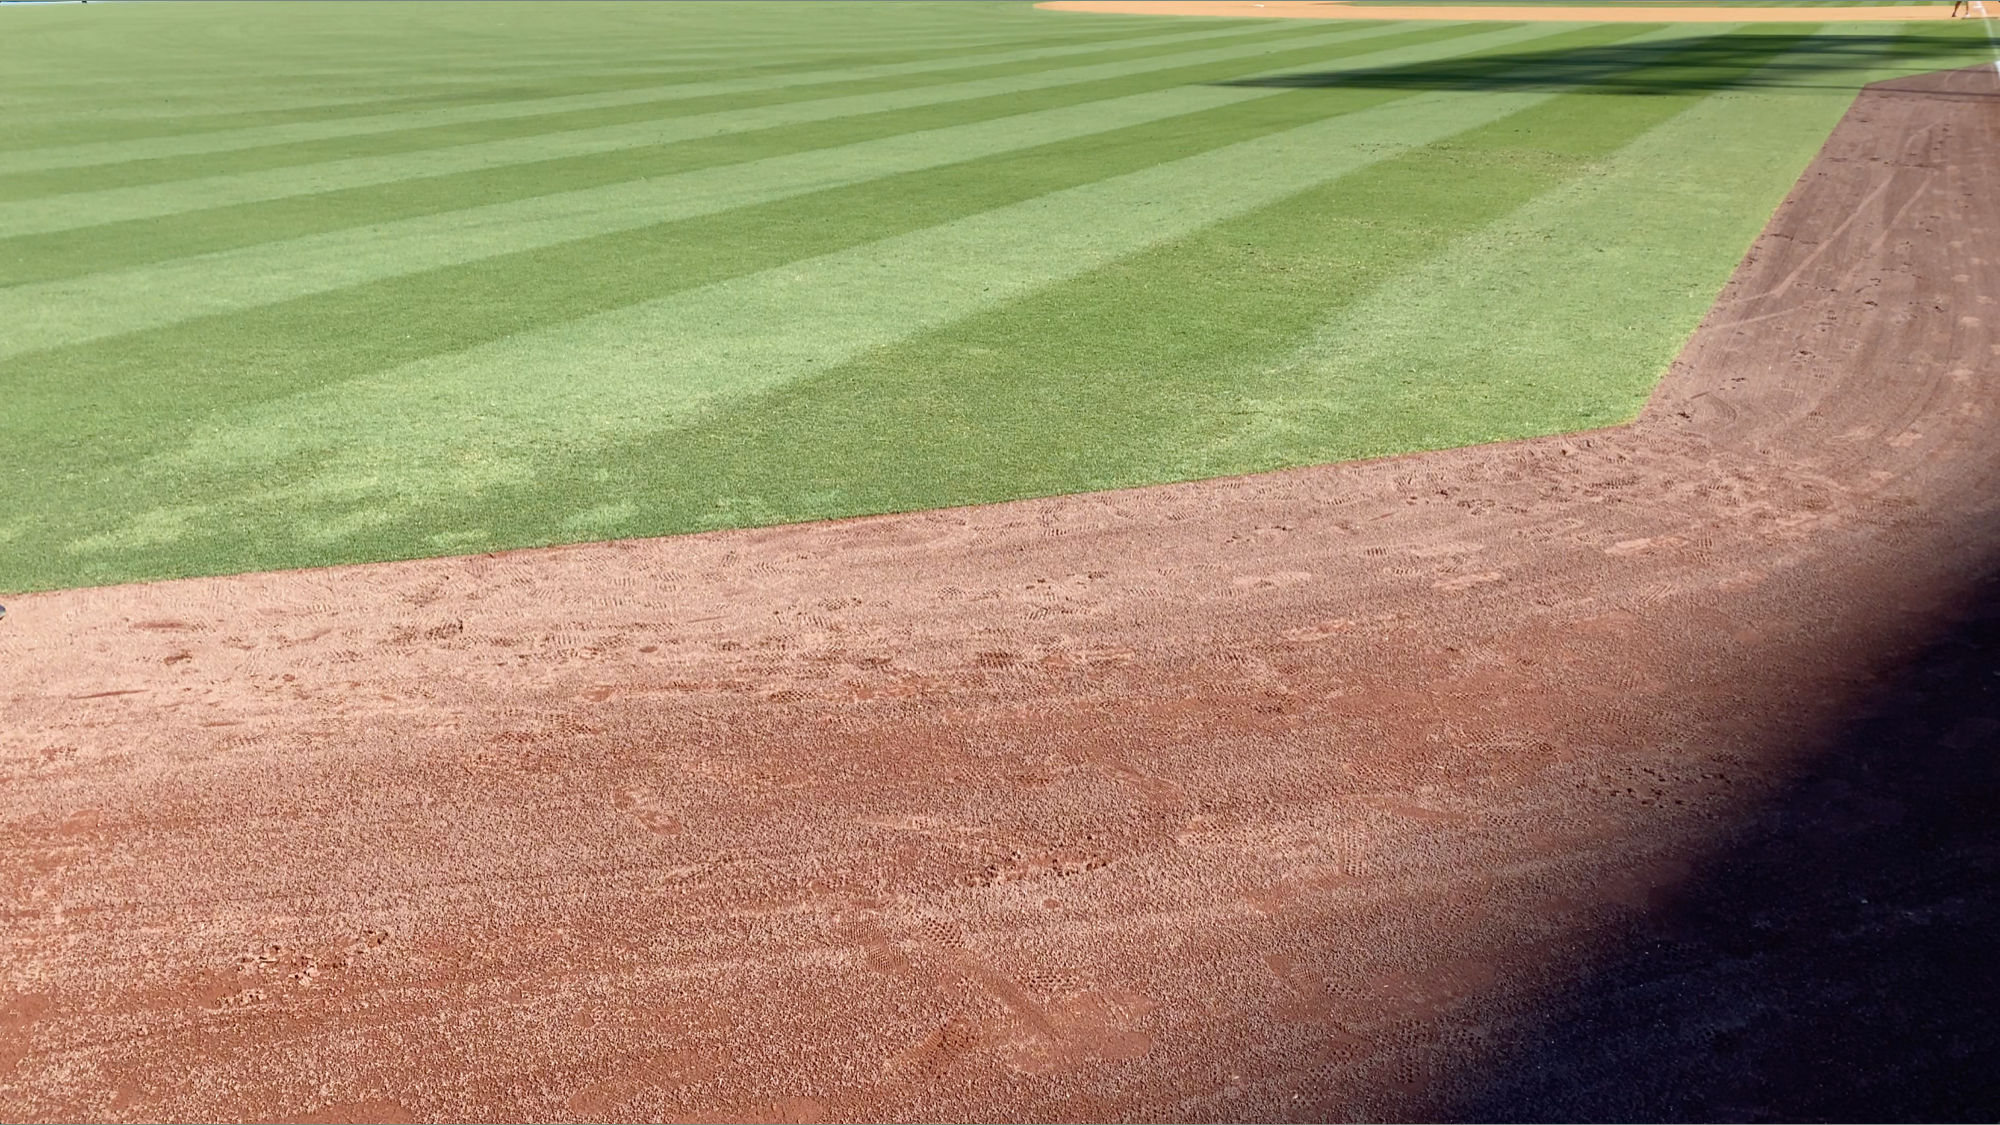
x=1581, y=776
x=1608, y=13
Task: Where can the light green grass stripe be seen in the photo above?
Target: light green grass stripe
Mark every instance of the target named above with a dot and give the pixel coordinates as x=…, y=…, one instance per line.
x=112, y=152
x=74, y=210
x=55, y=314
x=639, y=368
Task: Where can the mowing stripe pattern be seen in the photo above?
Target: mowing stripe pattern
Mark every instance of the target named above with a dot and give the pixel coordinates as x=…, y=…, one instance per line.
x=290, y=286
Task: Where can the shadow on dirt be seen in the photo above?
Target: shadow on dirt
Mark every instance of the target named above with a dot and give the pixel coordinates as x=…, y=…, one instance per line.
x=1840, y=961
x=1765, y=60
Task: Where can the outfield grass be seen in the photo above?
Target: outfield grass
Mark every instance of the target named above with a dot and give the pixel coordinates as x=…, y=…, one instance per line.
x=293, y=285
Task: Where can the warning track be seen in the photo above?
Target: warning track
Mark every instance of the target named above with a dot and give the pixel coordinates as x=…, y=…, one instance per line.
x=1574, y=776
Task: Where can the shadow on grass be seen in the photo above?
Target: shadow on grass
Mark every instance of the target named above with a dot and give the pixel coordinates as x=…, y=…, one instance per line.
x=1721, y=62
x=1839, y=962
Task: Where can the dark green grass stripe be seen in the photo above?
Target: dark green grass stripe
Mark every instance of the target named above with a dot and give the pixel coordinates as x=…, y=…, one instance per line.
x=1119, y=377
x=269, y=352
x=85, y=250
x=153, y=170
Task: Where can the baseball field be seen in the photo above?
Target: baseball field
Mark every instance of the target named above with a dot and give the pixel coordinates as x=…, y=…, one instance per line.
x=977, y=561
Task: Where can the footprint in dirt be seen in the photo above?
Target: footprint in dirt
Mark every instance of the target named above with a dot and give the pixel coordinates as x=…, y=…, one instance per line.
x=644, y=805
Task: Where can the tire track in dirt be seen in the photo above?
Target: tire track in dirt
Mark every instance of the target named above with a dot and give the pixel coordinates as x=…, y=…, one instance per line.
x=1277, y=797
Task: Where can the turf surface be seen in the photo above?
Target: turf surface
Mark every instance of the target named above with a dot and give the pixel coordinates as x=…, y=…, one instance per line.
x=292, y=285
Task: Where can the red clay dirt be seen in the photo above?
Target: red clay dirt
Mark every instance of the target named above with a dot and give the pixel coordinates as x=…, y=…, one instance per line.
x=1536, y=779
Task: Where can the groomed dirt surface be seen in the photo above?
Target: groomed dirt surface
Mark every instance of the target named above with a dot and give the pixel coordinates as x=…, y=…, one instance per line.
x=1642, y=773
x=1608, y=13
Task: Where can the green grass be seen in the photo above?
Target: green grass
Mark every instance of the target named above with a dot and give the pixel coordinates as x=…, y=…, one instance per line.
x=294, y=285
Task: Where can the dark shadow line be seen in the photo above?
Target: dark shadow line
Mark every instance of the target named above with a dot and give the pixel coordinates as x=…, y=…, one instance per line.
x=1838, y=961
x=1763, y=61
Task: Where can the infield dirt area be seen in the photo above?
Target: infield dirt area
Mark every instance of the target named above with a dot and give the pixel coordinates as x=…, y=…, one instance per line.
x=1606, y=13
x=1639, y=773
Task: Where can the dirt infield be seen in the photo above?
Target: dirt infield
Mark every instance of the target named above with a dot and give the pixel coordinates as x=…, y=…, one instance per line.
x=1609, y=13
x=1589, y=775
